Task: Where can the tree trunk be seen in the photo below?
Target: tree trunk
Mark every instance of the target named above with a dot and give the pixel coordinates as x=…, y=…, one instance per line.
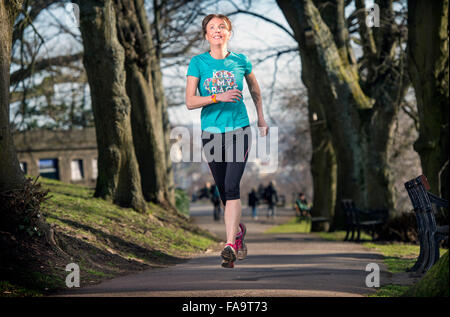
x=169, y=185
x=360, y=128
x=144, y=87
x=323, y=167
x=429, y=71
x=11, y=176
x=118, y=172
x=387, y=85
x=333, y=85
x=161, y=101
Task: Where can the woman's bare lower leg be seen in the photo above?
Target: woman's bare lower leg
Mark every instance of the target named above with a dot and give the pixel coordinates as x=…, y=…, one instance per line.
x=232, y=217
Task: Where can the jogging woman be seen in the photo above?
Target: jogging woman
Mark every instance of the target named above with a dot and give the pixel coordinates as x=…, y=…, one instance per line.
x=226, y=135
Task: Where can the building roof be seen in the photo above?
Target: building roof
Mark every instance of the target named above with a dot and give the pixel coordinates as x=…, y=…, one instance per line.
x=48, y=140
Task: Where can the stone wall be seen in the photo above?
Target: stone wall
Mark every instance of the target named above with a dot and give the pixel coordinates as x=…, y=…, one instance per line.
x=64, y=146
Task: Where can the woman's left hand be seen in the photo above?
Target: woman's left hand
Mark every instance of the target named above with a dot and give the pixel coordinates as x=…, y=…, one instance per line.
x=263, y=127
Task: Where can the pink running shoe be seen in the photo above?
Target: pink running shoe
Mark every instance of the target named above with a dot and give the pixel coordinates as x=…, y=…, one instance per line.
x=240, y=244
x=229, y=255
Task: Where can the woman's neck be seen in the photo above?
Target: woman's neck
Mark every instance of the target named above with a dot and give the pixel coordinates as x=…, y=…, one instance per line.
x=219, y=52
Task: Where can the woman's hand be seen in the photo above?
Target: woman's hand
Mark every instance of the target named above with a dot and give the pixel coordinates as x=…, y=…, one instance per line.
x=233, y=95
x=263, y=127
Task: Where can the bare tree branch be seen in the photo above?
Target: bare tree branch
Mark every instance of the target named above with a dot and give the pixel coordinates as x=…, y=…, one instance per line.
x=263, y=18
x=29, y=16
x=43, y=64
x=277, y=54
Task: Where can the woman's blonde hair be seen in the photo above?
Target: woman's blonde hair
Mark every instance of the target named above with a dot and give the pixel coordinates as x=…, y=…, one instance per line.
x=212, y=16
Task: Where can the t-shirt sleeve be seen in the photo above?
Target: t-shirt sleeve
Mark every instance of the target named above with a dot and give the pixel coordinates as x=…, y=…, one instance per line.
x=193, y=69
x=248, y=66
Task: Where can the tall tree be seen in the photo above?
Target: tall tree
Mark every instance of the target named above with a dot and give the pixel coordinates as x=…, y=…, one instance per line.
x=11, y=176
x=145, y=90
x=323, y=166
x=359, y=110
x=161, y=101
x=429, y=72
x=323, y=158
x=104, y=59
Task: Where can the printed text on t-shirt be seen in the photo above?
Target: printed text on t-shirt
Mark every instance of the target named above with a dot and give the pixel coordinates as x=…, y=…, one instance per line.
x=221, y=81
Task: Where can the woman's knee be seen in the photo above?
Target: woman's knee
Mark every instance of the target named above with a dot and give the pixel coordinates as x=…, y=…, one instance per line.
x=232, y=192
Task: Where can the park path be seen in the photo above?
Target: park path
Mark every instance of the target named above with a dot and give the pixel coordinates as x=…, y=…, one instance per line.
x=276, y=265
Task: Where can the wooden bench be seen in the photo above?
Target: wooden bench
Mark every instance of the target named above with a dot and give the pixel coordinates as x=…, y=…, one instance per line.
x=429, y=233
x=311, y=220
x=357, y=219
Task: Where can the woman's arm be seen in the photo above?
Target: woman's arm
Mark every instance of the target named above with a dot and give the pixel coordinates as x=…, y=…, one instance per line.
x=194, y=102
x=257, y=100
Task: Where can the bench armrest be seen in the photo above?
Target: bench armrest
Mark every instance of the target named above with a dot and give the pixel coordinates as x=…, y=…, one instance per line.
x=437, y=200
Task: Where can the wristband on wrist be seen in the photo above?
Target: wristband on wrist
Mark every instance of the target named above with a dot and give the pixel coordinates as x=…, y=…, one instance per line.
x=213, y=98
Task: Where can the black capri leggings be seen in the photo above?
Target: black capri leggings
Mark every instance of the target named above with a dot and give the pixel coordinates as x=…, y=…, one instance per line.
x=227, y=154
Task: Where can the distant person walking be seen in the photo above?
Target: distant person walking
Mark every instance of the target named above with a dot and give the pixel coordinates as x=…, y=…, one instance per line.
x=215, y=199
x=253, y=203
x=272, y=198
x=218, y=74
x=261, y=193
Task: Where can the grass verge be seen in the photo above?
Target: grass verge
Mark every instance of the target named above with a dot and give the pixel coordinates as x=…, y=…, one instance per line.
x=435, y=282
x=103, y=239
x=397, y=257
x=292, y=226
x=340, y=235
x=295, y=226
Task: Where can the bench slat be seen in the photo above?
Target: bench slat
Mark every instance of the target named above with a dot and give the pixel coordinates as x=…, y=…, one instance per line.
x=430, y=234
x=318, y=219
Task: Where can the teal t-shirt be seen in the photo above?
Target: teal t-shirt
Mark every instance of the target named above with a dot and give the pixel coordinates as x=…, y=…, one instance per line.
x=217, y=76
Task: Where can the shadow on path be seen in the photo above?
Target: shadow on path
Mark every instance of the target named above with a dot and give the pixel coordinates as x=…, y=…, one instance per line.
x=277, y=265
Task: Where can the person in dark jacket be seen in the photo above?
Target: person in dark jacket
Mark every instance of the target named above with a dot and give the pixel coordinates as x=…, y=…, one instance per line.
x=261, y=193
x=253, y=202
x=272, y=198
x=215, y=199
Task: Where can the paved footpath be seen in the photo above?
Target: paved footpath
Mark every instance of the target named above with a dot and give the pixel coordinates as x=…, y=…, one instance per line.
x=276, y=265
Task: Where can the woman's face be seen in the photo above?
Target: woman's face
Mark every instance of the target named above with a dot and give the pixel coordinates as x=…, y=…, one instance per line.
x=217, y=32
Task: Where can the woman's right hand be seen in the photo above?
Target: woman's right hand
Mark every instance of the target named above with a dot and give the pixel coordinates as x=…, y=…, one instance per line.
x=232, y=95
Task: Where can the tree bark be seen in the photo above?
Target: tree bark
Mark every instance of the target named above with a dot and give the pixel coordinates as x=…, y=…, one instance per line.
x=429, y=73
x=118, y=171
x=11, y=176
x=323, y=166
x=144, y=87
x=161, y=102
